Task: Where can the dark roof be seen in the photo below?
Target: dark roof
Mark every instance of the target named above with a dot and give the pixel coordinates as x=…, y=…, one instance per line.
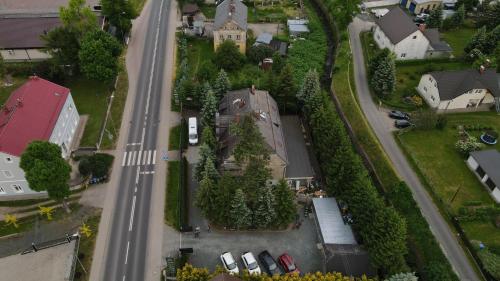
x=452, y=84
x=225, y=277
x=266, y=115
x=355, y=263
x=489, y=161
x=279, y=46
x=233, y=10
x=20, y=33
x=396, y=25
x=190, y=8
x=299, y=165
x=434, y=38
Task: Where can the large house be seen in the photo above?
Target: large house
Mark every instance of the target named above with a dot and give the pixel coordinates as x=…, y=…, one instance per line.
x=421, y=6
x=262, y=107
x=38, y=110
x=231, y=24
x=461, y=90
x=397, y=32
x=486, y=165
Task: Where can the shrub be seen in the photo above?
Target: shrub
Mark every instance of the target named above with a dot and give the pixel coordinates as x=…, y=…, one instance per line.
x=468, y=145
x=97, y=165
x=228, y=56
x=258, y=53
x=491, y=262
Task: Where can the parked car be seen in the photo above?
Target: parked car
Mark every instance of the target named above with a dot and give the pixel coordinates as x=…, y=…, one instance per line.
x=396, y=114
x=401, y=124
x=193, y=131
x=269, y=264
x=229, y=263
x=420, y=17
x=286, y=261
x=250, y=263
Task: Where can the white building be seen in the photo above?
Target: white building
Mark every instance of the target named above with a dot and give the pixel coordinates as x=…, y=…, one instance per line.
x=397, y=32
x=38, y=110
x=462, y=90
x=486, y=165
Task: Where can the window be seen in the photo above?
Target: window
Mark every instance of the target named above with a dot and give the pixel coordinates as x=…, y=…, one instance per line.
x=70, y=107
x=221, y=37
x=17, y=188
x=8, y=160
x=430, y=79
x=2, y=191
x=403, y=55
x=7, y=174
x=425, y=89
x=432, y=98
x=229, y=37
x=490, y=184
x=478, y=91
x=238, y=37
x=480, y=172
x=414, y=36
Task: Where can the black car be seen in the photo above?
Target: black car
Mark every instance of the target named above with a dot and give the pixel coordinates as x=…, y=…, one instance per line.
x=269, y=264
x=401, y=124
x=400, y=115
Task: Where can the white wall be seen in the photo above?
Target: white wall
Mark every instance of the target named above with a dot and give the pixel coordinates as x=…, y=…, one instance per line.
x=495, y=193
x=472, y=96
x=11, y=174
x=65, y=127
x=414, y=46
x=382, y=40
x=427, y=88
x=472, y=163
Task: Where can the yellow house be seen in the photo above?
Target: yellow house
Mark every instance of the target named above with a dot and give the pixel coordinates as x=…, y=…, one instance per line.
x=421, y=6
x=231, y=24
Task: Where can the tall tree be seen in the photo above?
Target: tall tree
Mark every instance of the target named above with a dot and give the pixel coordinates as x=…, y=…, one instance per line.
x=222, y=84
x=228, y=56
x=240, y=215
x=383, y=80
x=78, y=18
x=311, y=88
x=264, y=214
x=469, y=5
x=120, y=14
x=46, y=170
x=207, y=136
x=251, y=143
x=207, y=192
x=457, y=19
x=206, y=154
x=209, y=110
x=286, y=86
x=226, y=187
x=488, y=14
x=255, y=177
x=99, y=55
x=477, y=41
x=63, y=45
x=435, y=19
x=284, y=204
x=497, y=56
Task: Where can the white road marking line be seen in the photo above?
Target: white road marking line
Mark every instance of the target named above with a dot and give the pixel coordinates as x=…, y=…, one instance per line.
x=139, y=157
x=133, y=157
x=132, y=215
x=124, y=158
x=149, y=157
x=154, y=157
x=142, y=137
x=129, y=158
x=123, y=278
x=137, y=175
x=135, y=189
x=133, y=143
x=147, y=172
x=126, y=254
x=144, y=157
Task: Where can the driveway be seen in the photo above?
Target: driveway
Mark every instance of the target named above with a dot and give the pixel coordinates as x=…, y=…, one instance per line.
x=445, y=236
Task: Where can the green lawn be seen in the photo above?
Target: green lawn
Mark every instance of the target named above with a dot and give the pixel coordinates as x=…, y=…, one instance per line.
x=174, y=138
x=445, y=171
x=458, y=38
x=86, y=250
x=280, y=11
x=199, y=50
x=172, y=207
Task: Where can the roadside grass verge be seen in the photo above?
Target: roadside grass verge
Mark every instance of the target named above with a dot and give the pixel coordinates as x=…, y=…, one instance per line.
x=425, y=252
x=174, y=138
x=86, y=249
x=172, y=208
x=138, y=5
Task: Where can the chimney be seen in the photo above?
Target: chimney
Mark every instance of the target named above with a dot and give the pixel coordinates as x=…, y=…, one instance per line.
x=422, y=27
x=252, y=90
x=481, y=69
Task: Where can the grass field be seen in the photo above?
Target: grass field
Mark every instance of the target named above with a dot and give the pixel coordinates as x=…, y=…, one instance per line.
x=172, y=207
x=174, y=138
x=86, y=250
x=458, y=39
x=446, y=173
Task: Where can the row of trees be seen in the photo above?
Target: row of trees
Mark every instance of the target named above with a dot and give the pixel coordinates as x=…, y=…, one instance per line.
x=381, y=228
x=245, y=200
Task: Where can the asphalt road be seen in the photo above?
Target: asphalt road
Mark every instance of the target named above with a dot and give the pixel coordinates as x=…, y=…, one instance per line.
x=125, y=255
x=445, y=236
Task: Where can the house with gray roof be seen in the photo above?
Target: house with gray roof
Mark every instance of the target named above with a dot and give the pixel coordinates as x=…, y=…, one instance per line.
x=397, y=32
x=486, y=165
x=461, y=90
x=263, y=108
x=230, y=23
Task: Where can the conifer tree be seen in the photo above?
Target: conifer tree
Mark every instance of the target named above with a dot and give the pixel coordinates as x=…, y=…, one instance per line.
x=240, y=215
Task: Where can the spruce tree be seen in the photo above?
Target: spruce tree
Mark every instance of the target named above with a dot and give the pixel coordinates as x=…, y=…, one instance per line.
x=286, y=86
x=383, y=80
x=240, y=215
x=222, y=84
x=207, y=136
x=206, y=195
x=206, y=154
x=210, y=171
x=477, y=41
x=284, y=204
x=209, y=110
x=435, y=19
x=310, y=88
x=264, y=214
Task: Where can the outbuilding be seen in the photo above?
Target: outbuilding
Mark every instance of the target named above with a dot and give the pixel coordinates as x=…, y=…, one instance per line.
x=486, y=165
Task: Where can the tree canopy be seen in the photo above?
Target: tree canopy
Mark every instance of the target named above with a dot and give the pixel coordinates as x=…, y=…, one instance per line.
x=228, y=56
x=99, y=55
x=78, y=17
x=120, y=14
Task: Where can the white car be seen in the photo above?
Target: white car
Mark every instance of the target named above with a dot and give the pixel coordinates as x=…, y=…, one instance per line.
x=229, y=263
x=250, y=263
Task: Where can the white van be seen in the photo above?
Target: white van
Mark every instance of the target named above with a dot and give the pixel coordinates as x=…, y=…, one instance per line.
x=193, y=131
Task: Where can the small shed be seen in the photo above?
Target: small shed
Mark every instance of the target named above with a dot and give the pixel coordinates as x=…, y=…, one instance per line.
x=486, y=165
x=297, y=28
x=263, y=38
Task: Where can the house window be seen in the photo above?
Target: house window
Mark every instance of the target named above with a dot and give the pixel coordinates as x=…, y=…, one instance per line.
x=414, y=36
x=490, y=184
x=403, y=55
x=238, y=37
x=480, y=171
x=17, y=188
x=8, y=160
x=430, y=79
x=478, y=91
x=432, y=98
x=229, y=37
x=221, y=37
x=425, y=89
x=2, y=191
x=7, y=174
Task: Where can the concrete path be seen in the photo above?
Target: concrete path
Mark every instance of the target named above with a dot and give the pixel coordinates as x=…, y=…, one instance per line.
x=443, y=233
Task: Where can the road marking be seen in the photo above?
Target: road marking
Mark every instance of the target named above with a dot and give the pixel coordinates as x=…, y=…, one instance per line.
x=133, y=157
x=144, y=159
x=149, y=157
x=123, y=278
x=142, y=137
x=133, y=143
x=124, y=158
x=154, y=157
x=132, y=215
x=137, y=175
x=139, y=157
x=126, y=254
x=147, y=172
x=129, y=158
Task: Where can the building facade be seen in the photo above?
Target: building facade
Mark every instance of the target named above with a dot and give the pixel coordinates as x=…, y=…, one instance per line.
x=485, y=164
x=231, y=24
x=38, y=110
x=421, y=6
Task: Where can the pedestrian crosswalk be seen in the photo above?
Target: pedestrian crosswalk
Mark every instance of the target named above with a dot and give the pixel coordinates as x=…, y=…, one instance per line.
x=139, y=158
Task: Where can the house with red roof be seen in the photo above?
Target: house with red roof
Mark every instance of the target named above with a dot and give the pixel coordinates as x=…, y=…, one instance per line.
x=38, y=110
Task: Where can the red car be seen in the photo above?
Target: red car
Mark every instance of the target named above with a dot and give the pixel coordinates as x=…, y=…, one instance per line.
x=286, y=261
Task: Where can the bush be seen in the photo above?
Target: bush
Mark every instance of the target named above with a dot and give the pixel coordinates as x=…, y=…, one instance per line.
x=228, y=56
x=97, y=165
x=468, y=145
x=258, y=53
x=491, y=262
